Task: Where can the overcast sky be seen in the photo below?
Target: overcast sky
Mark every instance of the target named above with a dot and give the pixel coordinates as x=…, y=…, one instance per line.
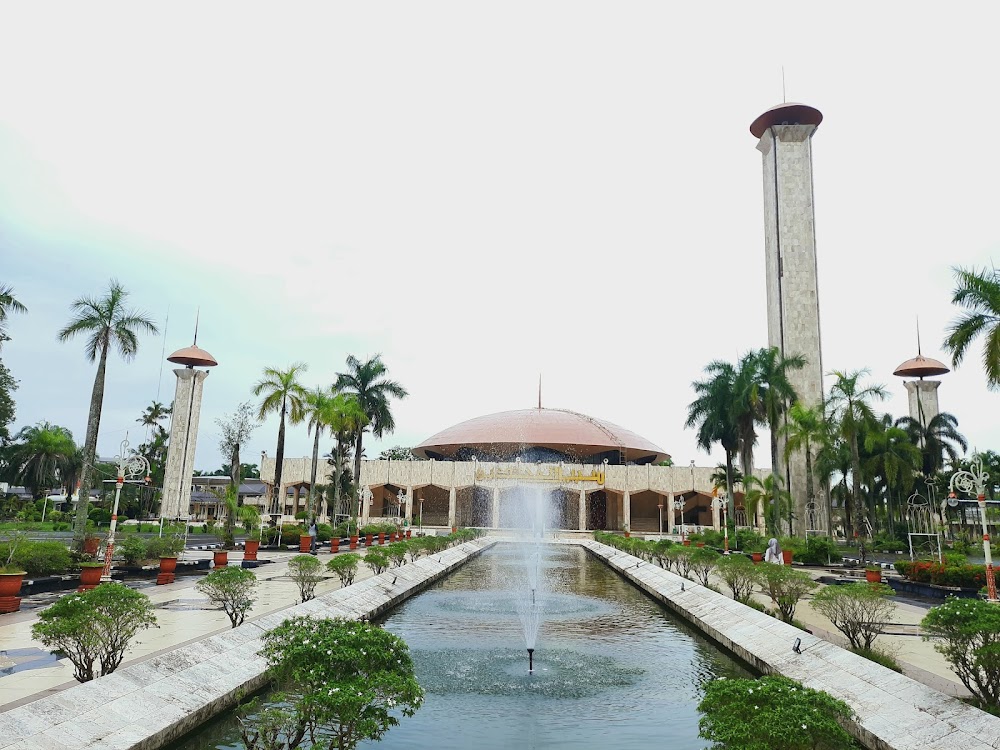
x=483, y=192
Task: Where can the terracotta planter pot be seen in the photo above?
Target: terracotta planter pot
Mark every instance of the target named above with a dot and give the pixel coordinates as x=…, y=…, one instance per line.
x=873, y=576
x=687, y=542
x=787, y=555
x=700, y=544
x=381, y=537
x=10, y=587
x=90, y=577
x=250, y=548
x=221, y=558
x=168, y=564
x=368, y=540
x=628, y=534
x=334, y=545
x=90, y=546
x=354, y=542
x=408, y=532
x=305, y=542
x=757, y=556
x=454, y=529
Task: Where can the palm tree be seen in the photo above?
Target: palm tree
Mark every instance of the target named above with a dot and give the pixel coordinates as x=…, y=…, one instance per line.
x=42, y=455
x=284, y=396
x=849, y=402
x=347, y=419
x=367, y=382
x=806, y=430
x=153, y=415
x=768, y=494
x=8, y=304
x=712, y=414
x=834, y=460
x=246, y=515
x=978, y=292
x=318, y=414
x=747, y=409
x=893, y=458
x=107, y=323
x=938, y=440
x=775, y=391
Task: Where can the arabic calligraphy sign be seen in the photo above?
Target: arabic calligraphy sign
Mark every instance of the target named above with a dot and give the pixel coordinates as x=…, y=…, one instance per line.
x=544, y=473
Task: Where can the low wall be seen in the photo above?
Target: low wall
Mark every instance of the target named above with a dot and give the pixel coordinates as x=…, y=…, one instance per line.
x=893, y=711
x=149, y=704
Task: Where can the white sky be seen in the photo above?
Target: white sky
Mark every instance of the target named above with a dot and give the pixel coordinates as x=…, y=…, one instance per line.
x=482, y=192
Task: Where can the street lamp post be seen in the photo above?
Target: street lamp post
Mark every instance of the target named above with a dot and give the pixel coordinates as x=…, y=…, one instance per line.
x=975, y=480
x=129, y=465
x=679, y=505
x=722, y=502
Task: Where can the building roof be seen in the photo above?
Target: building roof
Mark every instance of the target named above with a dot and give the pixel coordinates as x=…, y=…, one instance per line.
x=788, y=113
x=561, y=431
x=921, y=367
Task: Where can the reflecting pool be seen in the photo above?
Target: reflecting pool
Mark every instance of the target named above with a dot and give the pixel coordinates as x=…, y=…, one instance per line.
x=612, y=667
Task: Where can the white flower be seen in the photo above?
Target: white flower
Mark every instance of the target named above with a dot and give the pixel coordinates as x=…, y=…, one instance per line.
x=803, y=726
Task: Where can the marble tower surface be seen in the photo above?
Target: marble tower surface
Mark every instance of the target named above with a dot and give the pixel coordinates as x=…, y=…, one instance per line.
x=785, y=134
x=176, y=500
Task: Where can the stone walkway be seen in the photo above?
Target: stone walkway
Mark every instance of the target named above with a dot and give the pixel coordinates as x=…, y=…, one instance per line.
x=183, y=613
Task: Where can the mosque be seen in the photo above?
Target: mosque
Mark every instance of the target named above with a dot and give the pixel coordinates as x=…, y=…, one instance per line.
x=597, y=475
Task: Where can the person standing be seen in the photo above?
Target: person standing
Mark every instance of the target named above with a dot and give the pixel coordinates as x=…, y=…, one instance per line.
x=313, y=532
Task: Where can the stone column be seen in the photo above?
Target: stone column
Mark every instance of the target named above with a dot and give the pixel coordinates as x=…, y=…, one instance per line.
x=176, y=500
x=671, y=513
x=582, y=521
x=496, y=508
x=715, y=515
x=365, y=510
x=627, y=510
x=923, y=400
x=785, y=134
x=409, y=505
x=452, y=507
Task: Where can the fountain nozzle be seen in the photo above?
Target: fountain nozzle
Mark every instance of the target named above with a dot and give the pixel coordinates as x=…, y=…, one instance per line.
x=531, y=660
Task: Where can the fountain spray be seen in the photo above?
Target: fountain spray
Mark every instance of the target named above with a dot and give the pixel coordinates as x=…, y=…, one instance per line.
x=531, y=660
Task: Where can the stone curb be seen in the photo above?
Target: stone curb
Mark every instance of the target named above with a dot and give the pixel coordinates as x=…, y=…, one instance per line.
x=148, y=705
x=893, y=711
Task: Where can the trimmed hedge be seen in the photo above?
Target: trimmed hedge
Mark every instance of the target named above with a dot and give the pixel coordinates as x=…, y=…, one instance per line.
x=926, y=571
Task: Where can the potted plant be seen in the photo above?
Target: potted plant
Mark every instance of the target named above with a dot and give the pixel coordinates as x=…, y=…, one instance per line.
x=789, y=546
x=90, y=575
x=91, y=543
x=381, y=537
x=305, y=542
x=873, y=574
x=352, y=531
x=220, y=558
x=11, y=575
x=625, y=528
x=756, y=550
x=252, y=545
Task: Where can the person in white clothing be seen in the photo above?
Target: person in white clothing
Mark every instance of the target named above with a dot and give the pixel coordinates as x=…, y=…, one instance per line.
x=773, y=553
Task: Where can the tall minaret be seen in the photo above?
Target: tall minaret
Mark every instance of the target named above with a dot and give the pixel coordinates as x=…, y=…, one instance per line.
x=785, y=134
x=184, y=429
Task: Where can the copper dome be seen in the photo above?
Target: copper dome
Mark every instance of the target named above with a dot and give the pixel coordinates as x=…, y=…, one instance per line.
x=921, y=367
x=192, y=356
x=789, y=113
x=558, y=433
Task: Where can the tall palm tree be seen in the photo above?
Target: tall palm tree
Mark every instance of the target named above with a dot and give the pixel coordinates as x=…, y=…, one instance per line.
x=107, y=323
x=712, y=414
x=154, y=414
x=41, y=456
x=318, y=413
x=368, y=383
x=978, y=292
x=8, y=304
x=285, y=396
x=849, y=401
x=940, y=439
x=770, y=497
x=776, y=393
x=807, y=430
x=893, y=458
x=833, y=461
x=747, y=409
x=347, y=419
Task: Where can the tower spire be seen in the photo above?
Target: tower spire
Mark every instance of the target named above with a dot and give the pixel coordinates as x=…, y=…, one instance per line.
x=919, y=353
x=197, y=319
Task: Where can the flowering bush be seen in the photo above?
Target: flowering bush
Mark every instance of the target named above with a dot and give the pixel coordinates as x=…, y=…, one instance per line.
x=967, y=633
x=772, y=712
x=344, y=682
x=925, y=571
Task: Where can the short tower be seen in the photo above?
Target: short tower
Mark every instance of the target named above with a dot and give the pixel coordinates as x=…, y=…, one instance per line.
x=922, y=394
x=785, y=134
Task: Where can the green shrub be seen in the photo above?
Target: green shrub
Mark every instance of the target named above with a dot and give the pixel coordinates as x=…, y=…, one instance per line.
x=786, y=587
x=345, y=565
x=927, y=571
x=164, y=546
x=306, y=571
x=42, y=558
x=818, y=550
x=397, y=553
x=772, y=712
x=858, y=610
x=233, y=589
x=748, y=540
x=703, y=562
x=967, y=633
x=133, y=549
x=376, y=559
x=324, y=532
x=740, y=575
